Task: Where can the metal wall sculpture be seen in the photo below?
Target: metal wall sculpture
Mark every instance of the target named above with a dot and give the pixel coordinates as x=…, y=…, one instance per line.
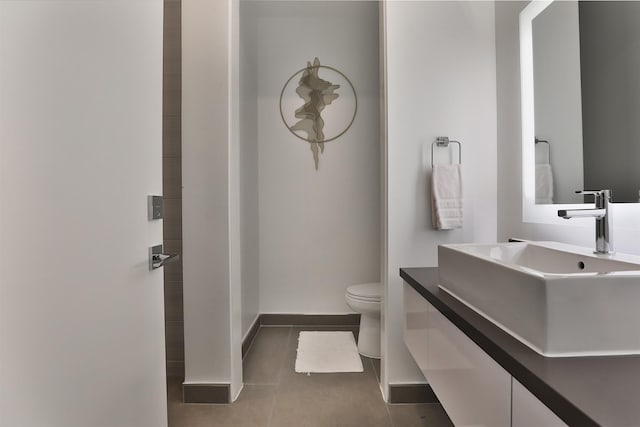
x=329, y=105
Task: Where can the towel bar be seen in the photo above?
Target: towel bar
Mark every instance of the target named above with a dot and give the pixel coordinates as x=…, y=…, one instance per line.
x=544, y=141
x=444, y=141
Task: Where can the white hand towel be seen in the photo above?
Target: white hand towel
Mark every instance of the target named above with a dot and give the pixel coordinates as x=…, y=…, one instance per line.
x=544, y=184
x=446, y=197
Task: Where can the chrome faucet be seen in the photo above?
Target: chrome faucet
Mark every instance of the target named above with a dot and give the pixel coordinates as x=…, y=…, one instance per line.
x=604, y=239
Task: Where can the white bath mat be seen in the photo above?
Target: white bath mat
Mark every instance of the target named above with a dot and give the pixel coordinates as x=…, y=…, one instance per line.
x=324, y=352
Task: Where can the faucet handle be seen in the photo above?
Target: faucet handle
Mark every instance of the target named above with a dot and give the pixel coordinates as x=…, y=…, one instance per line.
x=600, y=196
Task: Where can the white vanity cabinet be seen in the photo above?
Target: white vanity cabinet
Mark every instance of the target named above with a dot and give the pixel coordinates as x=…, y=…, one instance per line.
x=528, y=411
x=416, y=310
x=473, y=388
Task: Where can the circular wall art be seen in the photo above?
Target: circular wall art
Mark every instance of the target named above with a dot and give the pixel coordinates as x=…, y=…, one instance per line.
x=318, y=104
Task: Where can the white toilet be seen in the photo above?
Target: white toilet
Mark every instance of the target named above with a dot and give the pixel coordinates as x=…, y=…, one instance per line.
x=365, y=299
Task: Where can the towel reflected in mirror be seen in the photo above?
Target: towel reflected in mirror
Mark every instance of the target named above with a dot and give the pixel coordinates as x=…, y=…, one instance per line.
x=544, y=184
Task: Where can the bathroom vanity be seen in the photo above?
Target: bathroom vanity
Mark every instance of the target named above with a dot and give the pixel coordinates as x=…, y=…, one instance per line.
x=484, y=376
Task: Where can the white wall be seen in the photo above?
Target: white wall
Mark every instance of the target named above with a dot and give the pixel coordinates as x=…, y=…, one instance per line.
x=510, y=223
x=318, y=230
x=557, y=98
x=440, y=81
x=210, y=197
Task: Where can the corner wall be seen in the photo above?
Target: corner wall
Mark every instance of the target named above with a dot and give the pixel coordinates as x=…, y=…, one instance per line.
x=440, y=81
x=210, y=203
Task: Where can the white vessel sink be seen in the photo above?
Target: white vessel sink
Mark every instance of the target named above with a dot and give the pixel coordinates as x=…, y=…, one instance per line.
x=560, y=300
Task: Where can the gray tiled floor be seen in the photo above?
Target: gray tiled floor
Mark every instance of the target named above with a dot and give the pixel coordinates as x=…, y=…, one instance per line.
x=274, y=395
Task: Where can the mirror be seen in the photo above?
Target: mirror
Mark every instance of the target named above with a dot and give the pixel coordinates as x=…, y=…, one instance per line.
x=584, y=99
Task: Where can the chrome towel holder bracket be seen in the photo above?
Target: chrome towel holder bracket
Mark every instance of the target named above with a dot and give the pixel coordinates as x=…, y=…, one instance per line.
x=544, y=141
x=444, y=141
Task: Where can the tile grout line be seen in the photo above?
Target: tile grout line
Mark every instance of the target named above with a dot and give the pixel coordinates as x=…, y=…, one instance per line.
x=284, y=358
x=279, y=382
x=273, y=406
x=386, y=405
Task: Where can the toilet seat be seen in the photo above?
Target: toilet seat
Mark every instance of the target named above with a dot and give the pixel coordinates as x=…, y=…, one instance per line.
x=370, y=292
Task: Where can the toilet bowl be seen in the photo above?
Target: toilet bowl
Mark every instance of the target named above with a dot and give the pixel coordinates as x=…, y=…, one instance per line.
x=365, y=299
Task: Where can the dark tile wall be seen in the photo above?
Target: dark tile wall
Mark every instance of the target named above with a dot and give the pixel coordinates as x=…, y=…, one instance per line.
x=172, y=186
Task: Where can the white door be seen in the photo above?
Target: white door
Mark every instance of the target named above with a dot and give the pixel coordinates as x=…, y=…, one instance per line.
x=81, y=315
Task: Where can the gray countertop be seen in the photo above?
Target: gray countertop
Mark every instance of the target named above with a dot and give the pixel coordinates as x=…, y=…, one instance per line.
x=582, y=391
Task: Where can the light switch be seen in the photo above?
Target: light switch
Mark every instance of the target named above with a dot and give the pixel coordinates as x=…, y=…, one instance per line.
x=154, y=205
